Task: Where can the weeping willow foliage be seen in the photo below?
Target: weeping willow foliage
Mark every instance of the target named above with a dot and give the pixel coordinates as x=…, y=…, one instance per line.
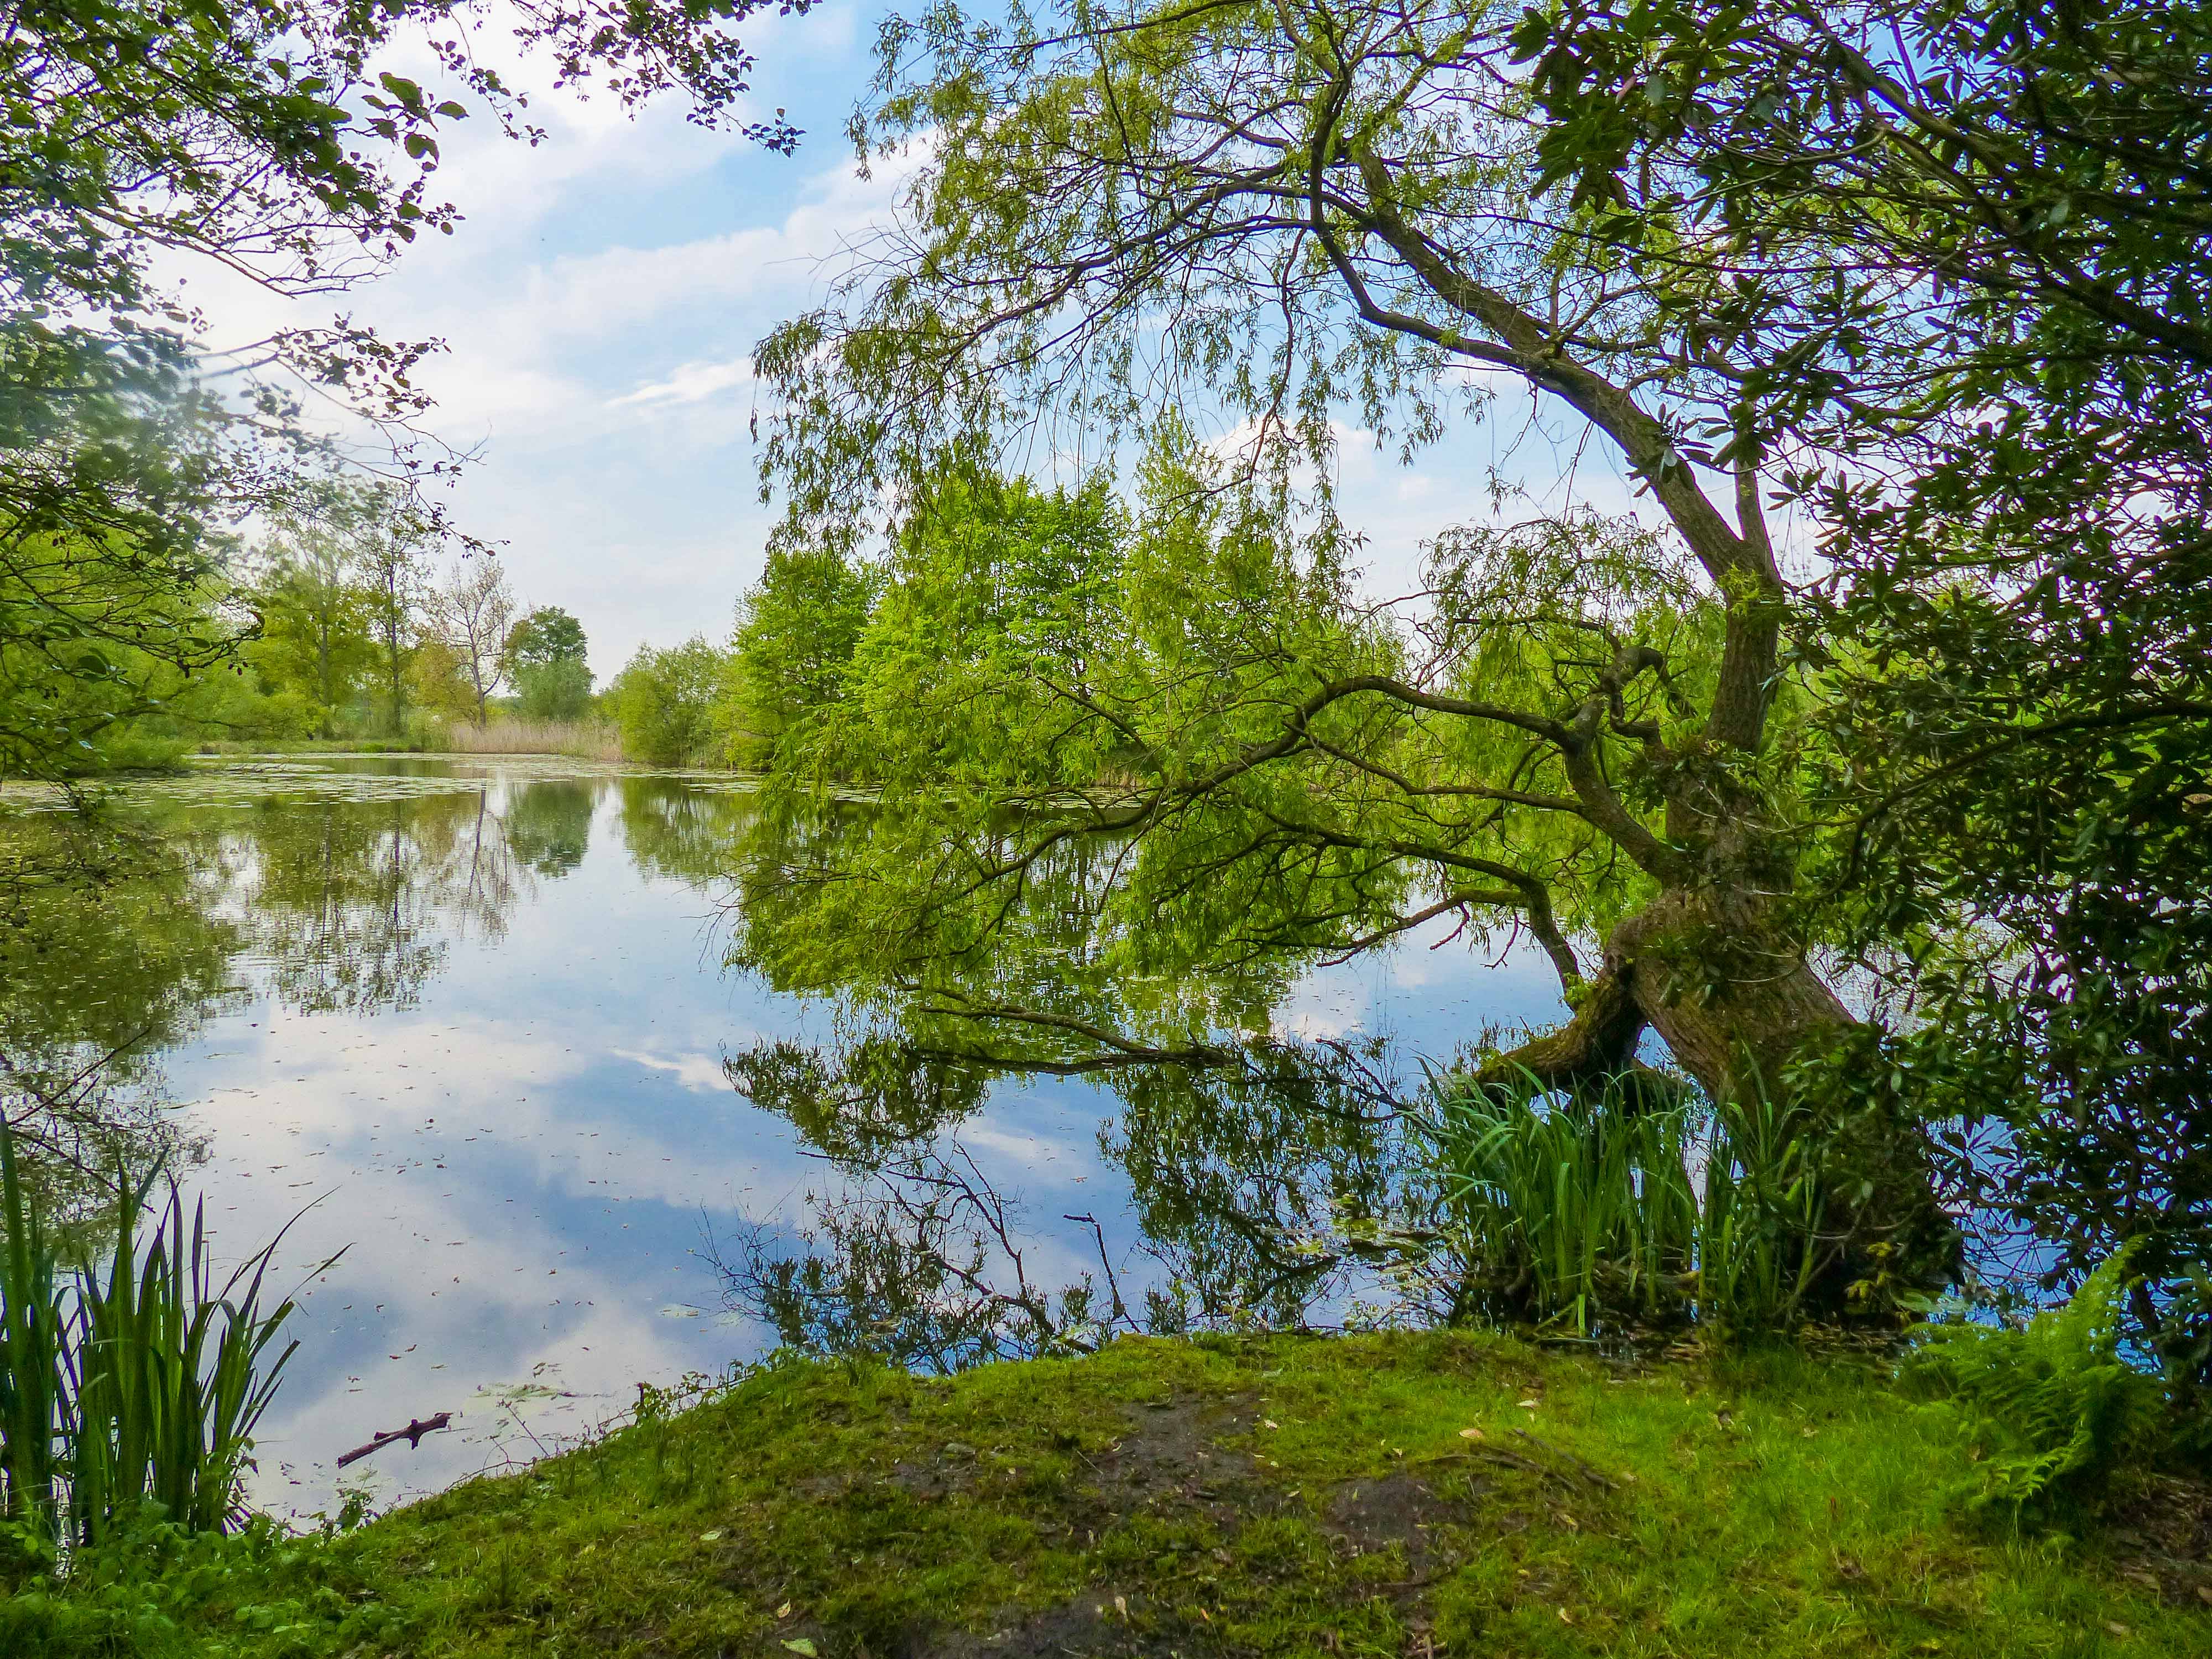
x=1124, y=769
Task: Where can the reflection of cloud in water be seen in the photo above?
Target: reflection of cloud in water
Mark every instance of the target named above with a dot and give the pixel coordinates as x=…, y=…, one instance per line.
x=701, y=1073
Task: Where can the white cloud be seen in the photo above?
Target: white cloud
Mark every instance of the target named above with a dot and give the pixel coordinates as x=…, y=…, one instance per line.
x=691, y=383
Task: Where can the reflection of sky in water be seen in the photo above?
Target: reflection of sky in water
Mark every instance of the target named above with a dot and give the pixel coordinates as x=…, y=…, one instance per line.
x=522, y=1164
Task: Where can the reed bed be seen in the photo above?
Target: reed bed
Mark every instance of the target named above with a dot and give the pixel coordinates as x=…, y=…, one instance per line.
x=585, y=739
x=1577, y=1215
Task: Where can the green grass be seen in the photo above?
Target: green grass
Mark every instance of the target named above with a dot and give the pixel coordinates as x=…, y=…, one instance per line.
x=1264, y=1497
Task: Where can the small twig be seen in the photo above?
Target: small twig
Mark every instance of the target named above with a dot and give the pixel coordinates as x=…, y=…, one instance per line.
x=412, y=1434
x=1589, y=1472
x=1491, y=1454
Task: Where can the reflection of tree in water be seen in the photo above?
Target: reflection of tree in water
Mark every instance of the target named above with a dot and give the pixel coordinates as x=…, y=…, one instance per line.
x=683, y=832
x=1260, y=1165
x=549, y=823
x=102, y=970
x=345, y=905
x=354, y=904
x=1255, y=1184
x=349, y=901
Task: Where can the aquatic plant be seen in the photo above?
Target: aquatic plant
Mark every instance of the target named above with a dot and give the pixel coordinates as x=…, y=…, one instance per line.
x=140, y=1385
x=1575, y=1212
x=1568, y=1208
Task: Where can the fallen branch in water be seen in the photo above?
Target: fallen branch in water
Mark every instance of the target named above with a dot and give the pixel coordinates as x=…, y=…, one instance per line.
x=412, y=1434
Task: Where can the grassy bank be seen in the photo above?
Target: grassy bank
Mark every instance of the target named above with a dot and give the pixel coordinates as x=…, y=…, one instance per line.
x=1269, y=1497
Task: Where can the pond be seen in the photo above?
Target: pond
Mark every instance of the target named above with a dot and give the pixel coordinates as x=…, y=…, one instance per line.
x=468, y=1020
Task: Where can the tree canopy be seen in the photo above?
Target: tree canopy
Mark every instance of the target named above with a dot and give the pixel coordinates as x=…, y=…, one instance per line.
x=273, y=140
x=1729, y=241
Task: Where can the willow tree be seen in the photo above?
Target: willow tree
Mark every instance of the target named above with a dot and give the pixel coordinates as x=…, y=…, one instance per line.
x=1287, y=217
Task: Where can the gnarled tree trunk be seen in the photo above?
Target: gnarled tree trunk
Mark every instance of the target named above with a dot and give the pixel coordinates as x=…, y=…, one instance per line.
x=1738, y=1006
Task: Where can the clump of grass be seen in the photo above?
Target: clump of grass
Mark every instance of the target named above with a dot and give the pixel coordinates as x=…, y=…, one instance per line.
x=1571, y=1209
x=1581, y=1213
x=138, y=1387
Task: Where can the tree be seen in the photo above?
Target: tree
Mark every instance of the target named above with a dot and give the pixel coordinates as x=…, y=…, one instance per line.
x=437, y=679
x=389, y=546
x=474, y=612
x=2014, y=633
x=1288, y=214
x=543, y=655
x=257, y=138
x=796, y=630
x=664, y=701
x=313, y=631
x=547, y=634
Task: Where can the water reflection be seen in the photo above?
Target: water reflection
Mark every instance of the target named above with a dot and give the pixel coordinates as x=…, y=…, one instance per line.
x=477, y=1011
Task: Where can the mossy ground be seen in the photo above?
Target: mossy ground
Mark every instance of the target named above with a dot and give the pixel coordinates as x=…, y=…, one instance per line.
x=1268, y=1496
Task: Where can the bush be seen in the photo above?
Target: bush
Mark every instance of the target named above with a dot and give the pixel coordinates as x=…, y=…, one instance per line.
x=2046, y=1410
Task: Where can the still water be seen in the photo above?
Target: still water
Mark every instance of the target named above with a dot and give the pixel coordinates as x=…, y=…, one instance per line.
x=467, y=1020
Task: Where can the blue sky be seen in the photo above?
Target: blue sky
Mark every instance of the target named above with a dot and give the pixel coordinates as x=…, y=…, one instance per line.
x=600, y=303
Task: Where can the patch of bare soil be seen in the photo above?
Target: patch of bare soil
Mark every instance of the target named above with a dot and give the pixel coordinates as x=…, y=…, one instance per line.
x=1371, y=1515
x=949, y=1468
x=1169, y=1457
x=2164, y=1531
x=1094, y=1626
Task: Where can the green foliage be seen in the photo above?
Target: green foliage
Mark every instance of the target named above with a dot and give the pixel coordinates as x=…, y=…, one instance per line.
x=1572, y=1213
x=795, y=636
x=665, y=702
x=557, y=690
x=93, y=640
x=543, y=658
x=542, y=636
x=2015, y=718
x=169, y=1372
x=2048, y=1410
x=136, y=143
x=1580, y=1213
x=32, y=1325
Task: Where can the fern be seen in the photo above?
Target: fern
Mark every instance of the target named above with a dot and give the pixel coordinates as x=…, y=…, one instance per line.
x=2048, y=1408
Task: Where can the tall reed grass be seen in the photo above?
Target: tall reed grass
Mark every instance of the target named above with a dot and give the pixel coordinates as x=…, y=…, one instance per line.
x=585, y=739
x=1581, y=1215
x=139, y=1385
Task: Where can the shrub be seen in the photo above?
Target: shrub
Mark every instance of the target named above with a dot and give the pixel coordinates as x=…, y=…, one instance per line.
x=2046, y=1409
x=665, y=702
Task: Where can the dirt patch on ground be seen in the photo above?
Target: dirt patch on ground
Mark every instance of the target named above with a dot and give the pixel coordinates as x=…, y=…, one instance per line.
x=2164, y=1531
x=1105, y=1625
x=1371, y=1515
x=1170, y=1457
x=949, y=1468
